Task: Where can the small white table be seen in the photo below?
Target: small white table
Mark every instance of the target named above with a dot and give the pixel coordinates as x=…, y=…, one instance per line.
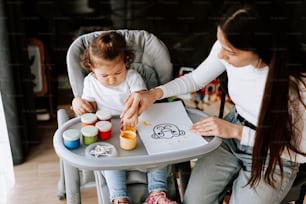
x=74, y=159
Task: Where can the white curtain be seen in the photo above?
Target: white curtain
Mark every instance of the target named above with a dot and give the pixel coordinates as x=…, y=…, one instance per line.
x=7, y=177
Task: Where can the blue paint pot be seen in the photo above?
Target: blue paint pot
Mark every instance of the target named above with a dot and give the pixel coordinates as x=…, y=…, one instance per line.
x=72, y=138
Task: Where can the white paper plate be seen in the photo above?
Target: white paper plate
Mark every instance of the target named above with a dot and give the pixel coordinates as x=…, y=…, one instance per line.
x=100, y=150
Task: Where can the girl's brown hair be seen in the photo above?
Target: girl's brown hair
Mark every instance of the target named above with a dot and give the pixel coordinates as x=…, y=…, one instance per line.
x=108, y=46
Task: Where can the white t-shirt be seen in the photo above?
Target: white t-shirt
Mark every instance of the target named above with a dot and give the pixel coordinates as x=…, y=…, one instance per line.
x=245, y=87
x=112, y=98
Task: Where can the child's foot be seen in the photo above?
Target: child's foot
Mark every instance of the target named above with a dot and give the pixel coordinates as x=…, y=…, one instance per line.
x=121, y=201
x=158, y=198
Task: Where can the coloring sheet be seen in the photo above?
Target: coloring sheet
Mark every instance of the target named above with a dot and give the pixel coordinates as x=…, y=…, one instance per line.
x=164, y=127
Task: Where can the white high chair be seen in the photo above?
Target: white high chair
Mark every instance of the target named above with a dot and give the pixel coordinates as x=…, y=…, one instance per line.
x=152, y=61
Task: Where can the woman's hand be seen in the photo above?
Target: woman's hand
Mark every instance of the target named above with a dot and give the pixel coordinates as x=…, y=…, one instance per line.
x=129, y=122
x=137, y=102
x=215, y=126
x=81, y=106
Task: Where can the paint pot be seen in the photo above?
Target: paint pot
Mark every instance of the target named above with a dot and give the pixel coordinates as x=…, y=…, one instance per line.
x=104, y=115
x=88, y=119
x=89, y=134
x=128, y=140
x=130, y=128
x=105, y=129
x=72, y=138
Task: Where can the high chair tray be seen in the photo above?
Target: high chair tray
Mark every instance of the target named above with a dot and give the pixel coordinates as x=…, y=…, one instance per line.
x=128, y=159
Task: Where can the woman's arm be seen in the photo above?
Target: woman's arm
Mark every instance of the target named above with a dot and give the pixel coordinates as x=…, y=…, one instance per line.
x=222, y=128
x=218, y=127
x=206, y=72
x=137, y=102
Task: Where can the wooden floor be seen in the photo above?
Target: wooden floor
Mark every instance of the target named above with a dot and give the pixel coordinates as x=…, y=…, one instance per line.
x=36, y=179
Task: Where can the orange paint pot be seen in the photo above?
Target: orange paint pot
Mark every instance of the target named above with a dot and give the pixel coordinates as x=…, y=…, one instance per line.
x=128, y=140
x=129, y=128
x=88, y=119
x=105, y=129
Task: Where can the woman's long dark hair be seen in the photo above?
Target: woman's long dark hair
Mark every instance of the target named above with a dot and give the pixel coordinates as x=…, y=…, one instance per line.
x=268, y=34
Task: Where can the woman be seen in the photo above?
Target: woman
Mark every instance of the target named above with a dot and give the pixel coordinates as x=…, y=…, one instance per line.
x=264, y=136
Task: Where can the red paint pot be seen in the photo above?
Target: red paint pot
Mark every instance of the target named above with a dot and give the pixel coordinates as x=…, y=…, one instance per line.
x=105, y=129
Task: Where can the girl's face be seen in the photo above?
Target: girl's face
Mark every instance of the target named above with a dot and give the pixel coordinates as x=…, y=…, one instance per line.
x=234, y=56
x=109, y=72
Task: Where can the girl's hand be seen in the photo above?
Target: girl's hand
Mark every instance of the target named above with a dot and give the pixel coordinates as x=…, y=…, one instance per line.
x=81, y=106
x=215, y=126
x=132, y=121
x=137, y=102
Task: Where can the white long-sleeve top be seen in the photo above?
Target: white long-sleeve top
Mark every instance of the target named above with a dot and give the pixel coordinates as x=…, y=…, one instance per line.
x=245, y=88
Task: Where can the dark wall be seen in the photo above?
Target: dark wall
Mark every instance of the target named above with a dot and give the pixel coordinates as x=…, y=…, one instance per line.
x=57, y=22
x=187, y=27
x=16, y=81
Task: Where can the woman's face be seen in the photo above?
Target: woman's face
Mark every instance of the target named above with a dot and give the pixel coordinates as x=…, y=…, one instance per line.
x=234, y=56
x=109, y=72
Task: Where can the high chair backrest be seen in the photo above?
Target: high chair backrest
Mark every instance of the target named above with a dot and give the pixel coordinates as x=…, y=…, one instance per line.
x=152, y=59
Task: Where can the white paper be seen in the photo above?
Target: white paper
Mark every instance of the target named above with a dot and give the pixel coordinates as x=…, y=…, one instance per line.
x=165, y=127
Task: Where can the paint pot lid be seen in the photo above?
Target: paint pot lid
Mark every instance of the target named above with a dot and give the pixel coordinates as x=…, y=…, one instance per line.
x=89, y=131
x=71, y=134
x=104, y=114
x=104, y=125
x=88, y=118
x=100, y=150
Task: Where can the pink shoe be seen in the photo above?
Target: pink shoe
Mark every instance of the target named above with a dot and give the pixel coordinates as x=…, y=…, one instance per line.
x=117, y=201
x=158, y=198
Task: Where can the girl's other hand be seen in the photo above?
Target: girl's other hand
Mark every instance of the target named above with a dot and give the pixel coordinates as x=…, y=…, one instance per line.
x=81, y=106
